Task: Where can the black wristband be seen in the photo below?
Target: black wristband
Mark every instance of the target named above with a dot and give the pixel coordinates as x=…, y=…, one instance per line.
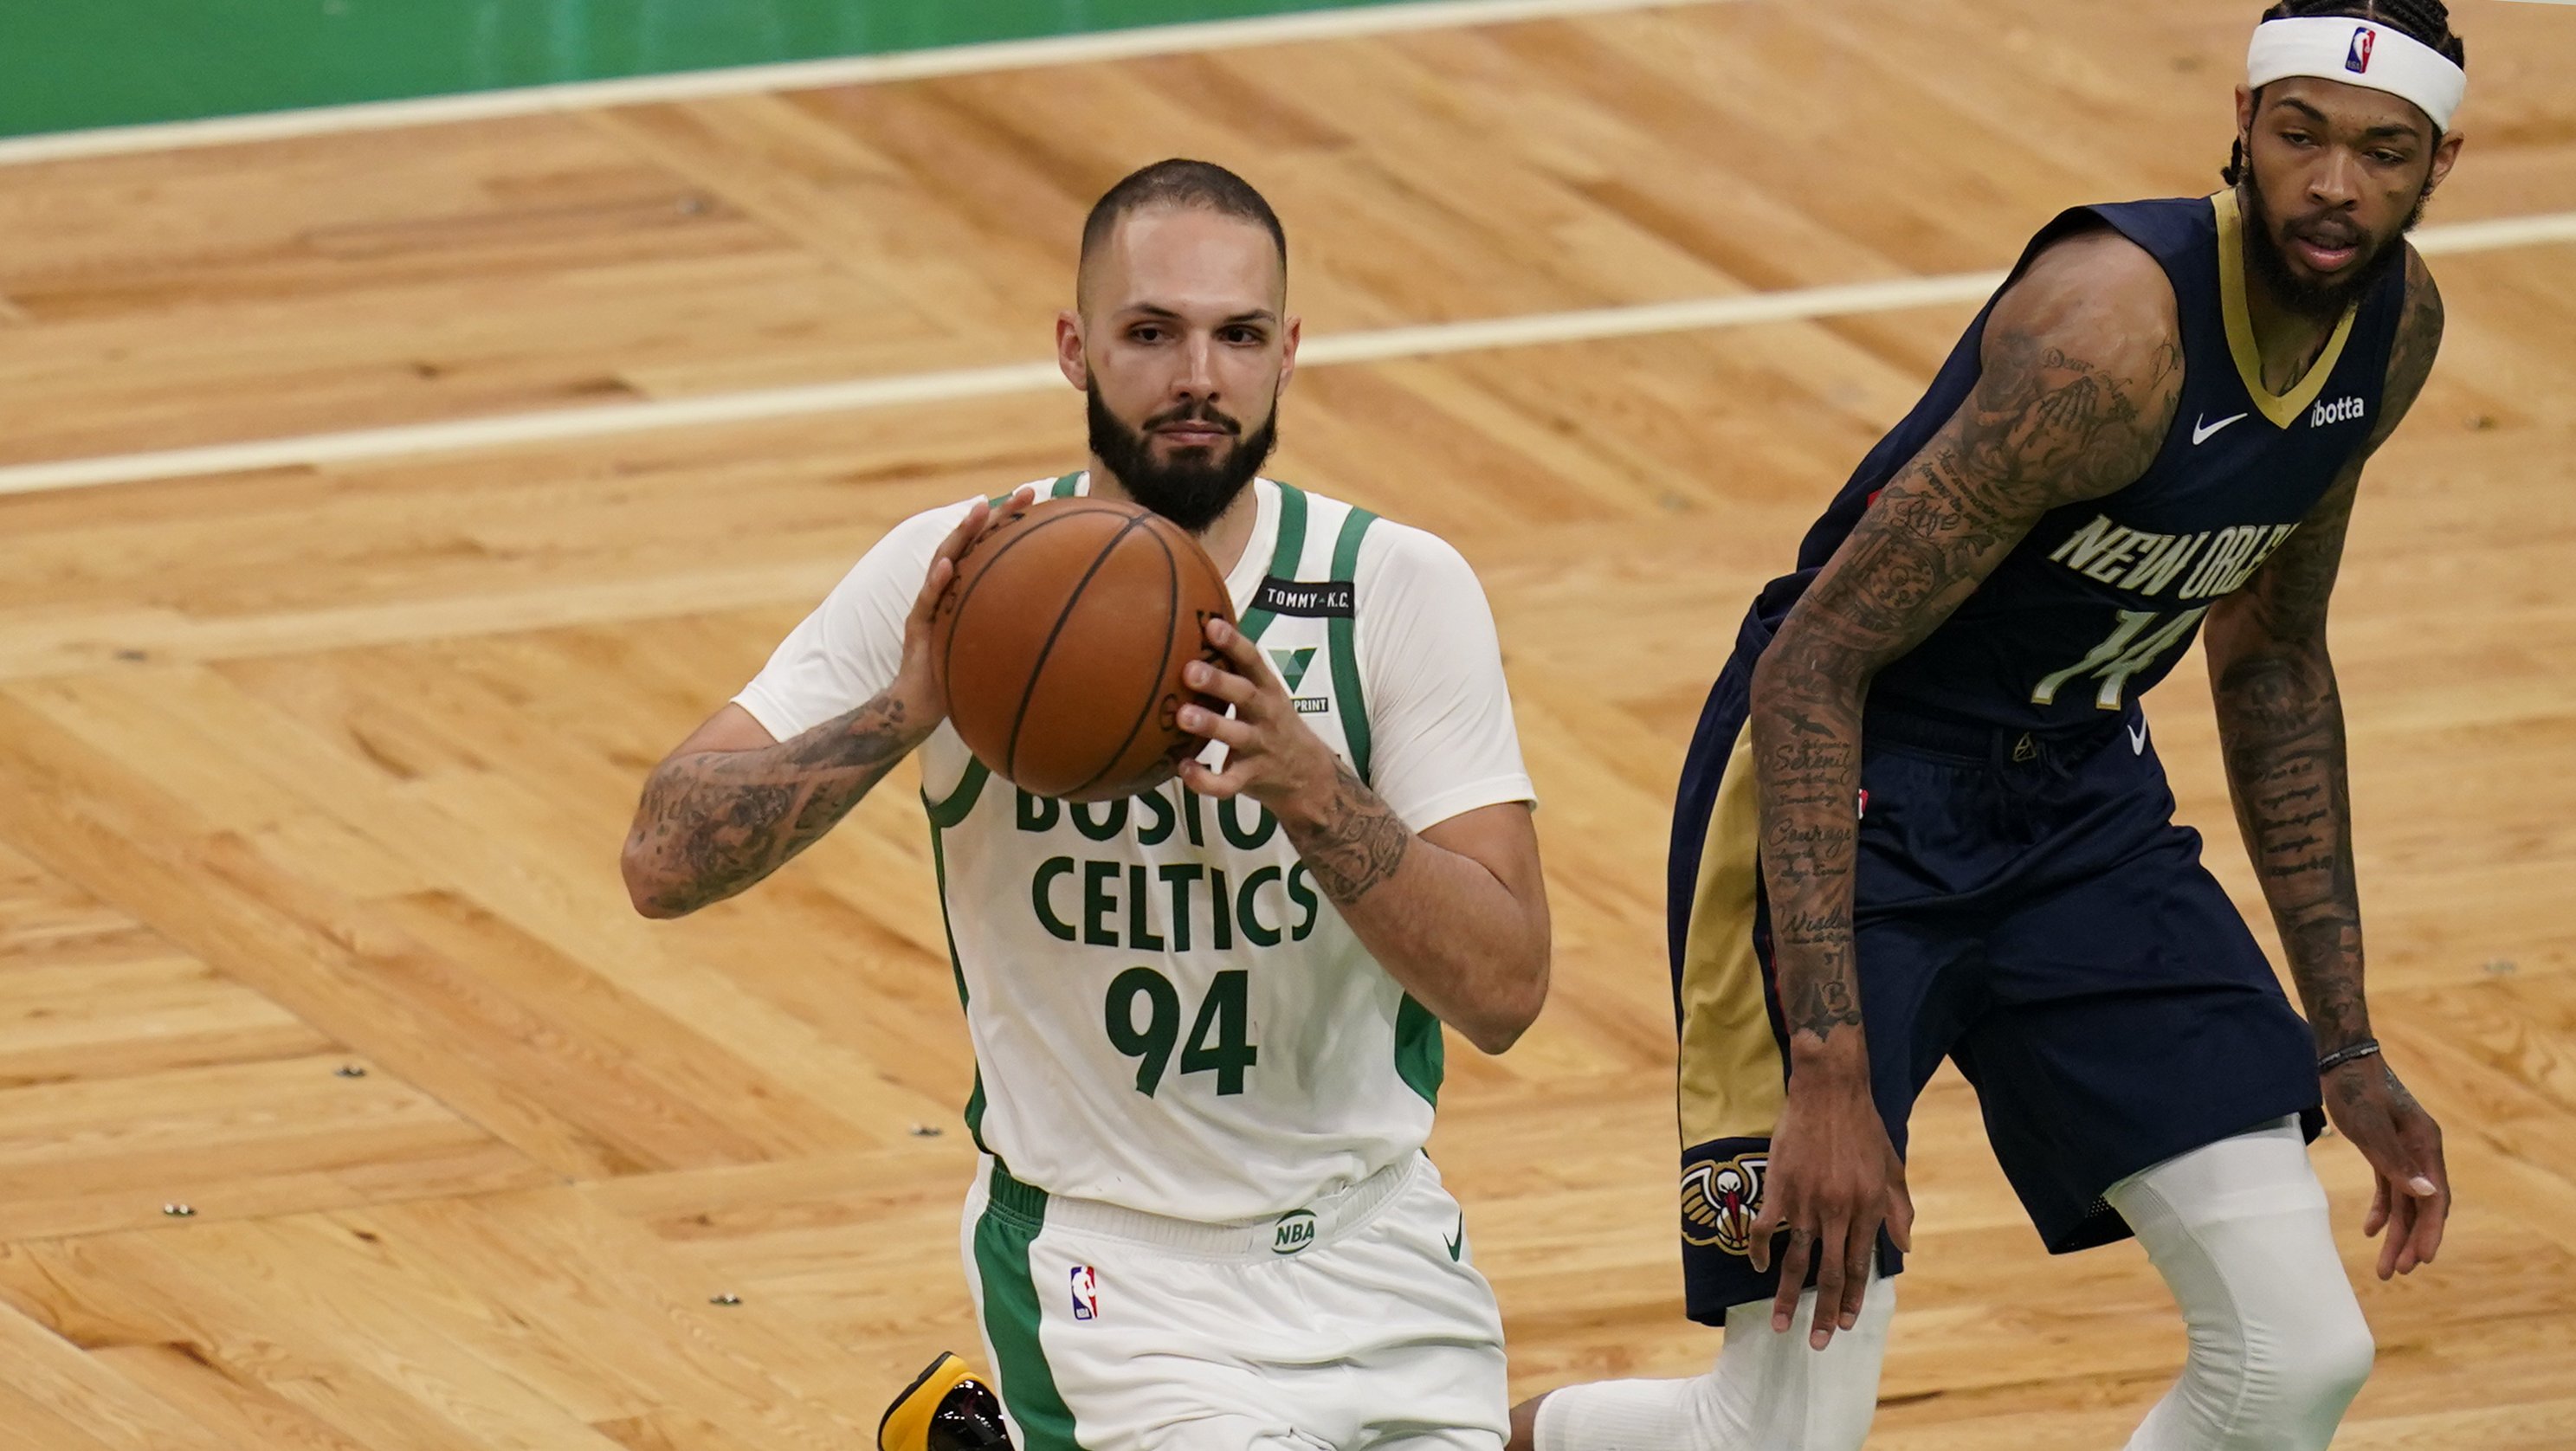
x=2349, y=1053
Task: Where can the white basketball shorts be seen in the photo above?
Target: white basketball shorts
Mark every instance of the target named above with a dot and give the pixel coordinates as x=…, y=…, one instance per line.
x=1356, y=1323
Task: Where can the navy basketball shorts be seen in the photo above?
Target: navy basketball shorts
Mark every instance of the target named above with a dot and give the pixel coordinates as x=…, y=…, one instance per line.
x=2025, y=906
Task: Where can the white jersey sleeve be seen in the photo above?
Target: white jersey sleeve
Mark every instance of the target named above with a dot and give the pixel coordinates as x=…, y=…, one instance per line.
x=1440, y=716
x=851, y=646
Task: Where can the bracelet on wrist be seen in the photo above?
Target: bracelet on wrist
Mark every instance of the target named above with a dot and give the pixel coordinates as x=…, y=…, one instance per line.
x=2349, y=1053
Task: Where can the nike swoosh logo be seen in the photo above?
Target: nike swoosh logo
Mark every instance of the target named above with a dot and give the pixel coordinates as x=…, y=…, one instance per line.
x=1458, y=1246
x=2200, y=431
x=2138, y=739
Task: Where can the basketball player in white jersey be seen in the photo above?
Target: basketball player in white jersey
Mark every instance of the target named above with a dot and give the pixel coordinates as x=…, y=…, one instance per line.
x=1207, y=1019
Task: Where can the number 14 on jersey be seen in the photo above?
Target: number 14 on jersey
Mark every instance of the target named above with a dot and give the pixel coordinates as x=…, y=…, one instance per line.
x=2129, y=648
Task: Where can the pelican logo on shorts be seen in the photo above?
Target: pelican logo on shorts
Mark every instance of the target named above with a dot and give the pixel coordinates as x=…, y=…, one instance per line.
x=1086, y=1293
x=2357, y=59
x=1720, y=1199
x=1294, y=1232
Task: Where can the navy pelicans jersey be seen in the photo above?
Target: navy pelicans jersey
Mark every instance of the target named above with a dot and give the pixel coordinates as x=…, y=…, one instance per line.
x=2101, y=598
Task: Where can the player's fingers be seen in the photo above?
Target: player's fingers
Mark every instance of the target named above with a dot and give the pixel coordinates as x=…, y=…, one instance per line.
x=1198, y=720
x=2432, y=1216
x=1900, y=1205
x=933, y=585
x=1830, y=1250
x=995, y=516
x=1793, y=1277
x=1225, y=685
x=978, y=518
x=2377, y=1219
x=1212, y=784
x=1859, y=1251
x=1762, y=1231
x=1243, y=654
x=2401, y=1220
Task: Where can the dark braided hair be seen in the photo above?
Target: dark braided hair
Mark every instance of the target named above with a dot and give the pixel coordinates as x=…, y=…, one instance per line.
x=2428, y=21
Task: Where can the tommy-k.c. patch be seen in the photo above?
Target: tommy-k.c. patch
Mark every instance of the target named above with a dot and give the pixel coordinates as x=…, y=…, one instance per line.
x=1312, y=600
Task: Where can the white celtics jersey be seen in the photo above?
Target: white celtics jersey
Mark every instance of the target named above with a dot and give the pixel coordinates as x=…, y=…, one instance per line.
x=1167, y=1012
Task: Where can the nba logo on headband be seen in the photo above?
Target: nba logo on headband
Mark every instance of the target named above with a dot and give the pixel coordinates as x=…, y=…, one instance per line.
x=2332, y=48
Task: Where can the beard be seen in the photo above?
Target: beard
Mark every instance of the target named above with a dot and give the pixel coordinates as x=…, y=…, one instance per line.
x=2310, y=297
x=1198, y=484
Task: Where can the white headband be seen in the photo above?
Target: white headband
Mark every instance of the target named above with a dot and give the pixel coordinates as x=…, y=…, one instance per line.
x=2357, y=53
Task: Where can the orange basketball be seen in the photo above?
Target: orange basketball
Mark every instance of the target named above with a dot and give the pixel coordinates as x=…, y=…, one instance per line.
x=1060, y=646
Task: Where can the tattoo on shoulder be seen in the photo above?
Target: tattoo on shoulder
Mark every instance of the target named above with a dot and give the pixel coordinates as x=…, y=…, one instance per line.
x=2419, y=339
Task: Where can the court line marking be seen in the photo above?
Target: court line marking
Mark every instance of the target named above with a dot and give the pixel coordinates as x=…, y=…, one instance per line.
x=1381, y=345
x=1124, y=44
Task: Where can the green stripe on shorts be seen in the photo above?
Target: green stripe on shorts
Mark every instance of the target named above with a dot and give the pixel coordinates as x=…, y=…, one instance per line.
x=1010, y=1224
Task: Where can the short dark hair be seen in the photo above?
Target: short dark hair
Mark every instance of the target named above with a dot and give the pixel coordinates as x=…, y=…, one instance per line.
x=1181, y=183
x=2428, y=21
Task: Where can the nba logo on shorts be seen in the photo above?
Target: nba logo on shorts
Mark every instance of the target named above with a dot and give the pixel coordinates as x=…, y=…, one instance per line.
x=1086, y=1293
x=2357, y=60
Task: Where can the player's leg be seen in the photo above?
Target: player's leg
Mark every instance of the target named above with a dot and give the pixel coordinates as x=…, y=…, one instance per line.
x=2142, y=1071
x=1768, y=1392
x=1101, y=1342
x=1416, y=1360
x=995, y=1241
x=2278, y=1344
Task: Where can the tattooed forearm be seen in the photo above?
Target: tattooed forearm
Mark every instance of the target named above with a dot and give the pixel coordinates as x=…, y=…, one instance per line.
x=714, y=822
x=2280, y=723
x=2045, y=425
x=2280, y=716
x=1353, y=844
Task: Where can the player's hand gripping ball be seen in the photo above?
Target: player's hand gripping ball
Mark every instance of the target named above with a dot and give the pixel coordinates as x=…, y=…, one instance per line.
x=1059, y=646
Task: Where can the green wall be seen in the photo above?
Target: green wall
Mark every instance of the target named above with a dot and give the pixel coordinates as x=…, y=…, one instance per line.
x=69, y=64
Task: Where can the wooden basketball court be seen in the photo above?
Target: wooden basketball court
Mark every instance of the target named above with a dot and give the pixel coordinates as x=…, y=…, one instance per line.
x=346, y=1106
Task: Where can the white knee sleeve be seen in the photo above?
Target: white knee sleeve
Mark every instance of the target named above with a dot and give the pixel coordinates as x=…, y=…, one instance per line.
x=2278, y=1345
x=1768, y=1392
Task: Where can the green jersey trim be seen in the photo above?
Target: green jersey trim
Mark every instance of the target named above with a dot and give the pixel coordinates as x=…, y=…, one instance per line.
x=1060, y=489
x=1011, y=1223
x=1421, y=1057
x=948, y=930
x=954, y=807
x=1283, y=556
x=1346, y=659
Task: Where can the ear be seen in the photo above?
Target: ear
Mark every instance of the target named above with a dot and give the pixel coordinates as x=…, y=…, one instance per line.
x=1068, y=350
x=2245, y=113
x=2446, y=153
x=1290, y=332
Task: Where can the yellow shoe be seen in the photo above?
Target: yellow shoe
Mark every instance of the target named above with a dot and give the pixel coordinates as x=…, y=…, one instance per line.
x=945, y=1409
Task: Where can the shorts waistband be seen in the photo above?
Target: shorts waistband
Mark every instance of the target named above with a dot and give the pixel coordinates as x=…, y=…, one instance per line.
x=1328, y=1218
x=1970, y=741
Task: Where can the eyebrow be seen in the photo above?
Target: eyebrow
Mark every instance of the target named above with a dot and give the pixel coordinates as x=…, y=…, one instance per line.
x=2391, y=128
x=1154, y=310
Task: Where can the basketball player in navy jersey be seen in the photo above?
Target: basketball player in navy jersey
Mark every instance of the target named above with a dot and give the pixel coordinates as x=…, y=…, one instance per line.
x=1921, y=817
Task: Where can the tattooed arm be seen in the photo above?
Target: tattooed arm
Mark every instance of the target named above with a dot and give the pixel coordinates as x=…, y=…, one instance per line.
x=1456, y=913
x=2080, y=377
x=730, y=805
x=2280, y=722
